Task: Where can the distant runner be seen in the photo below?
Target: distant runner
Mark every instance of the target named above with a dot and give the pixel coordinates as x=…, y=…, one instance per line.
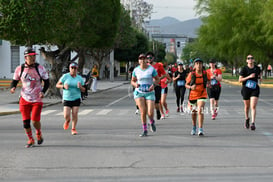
x=249, y=77
x=142, y=80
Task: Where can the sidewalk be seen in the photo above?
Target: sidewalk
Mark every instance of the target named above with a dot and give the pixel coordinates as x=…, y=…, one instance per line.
x=9, y=102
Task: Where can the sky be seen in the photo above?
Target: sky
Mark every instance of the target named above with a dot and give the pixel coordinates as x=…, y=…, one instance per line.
x=179, y=9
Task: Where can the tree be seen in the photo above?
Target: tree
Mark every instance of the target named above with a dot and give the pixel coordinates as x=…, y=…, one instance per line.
x=234, y=28
x=70, y=25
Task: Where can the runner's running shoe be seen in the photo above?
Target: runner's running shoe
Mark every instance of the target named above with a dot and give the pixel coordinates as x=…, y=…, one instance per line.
x=178, y=110
x=66, y=125
x=145, y=133
x=213, y=116
x=193, y=131
x=182, y=110
x=153, y=128
x=158, y=115
x=247, y=123
x=137, y=111
x=30, y=143
x=162, y=116
x=167, y=113
x=40, y=139
x=200, y=132
x=215, y=112
x=253, y=127
x=74, y=132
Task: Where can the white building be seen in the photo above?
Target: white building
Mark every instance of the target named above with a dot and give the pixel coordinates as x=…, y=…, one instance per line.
x=12, y=56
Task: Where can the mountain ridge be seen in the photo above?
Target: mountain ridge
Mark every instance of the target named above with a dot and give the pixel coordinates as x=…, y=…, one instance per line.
x=171, y=25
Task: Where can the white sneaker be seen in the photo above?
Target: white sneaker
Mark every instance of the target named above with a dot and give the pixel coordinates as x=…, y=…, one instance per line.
x=137, y=111
x=162, y=116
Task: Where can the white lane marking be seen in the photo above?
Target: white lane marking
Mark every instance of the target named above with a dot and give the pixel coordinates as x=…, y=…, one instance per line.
x=104, y=112
x=86, y=111
x=123, y=112
x=116, y=101
x=47, y=112
x=268, y=135
x=60, y=113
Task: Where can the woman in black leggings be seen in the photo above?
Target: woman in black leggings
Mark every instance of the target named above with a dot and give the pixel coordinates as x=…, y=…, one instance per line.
x=179, y=81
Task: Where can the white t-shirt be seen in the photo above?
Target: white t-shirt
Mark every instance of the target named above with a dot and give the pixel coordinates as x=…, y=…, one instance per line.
x=144, y=78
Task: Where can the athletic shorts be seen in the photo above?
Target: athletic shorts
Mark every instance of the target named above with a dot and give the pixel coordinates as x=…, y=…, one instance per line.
x=248, y=92
x=74, y=103
x=145, y=95
x=194, y=102
x=164, y=90
x=214, y=92
x=157, y=94
x=30, y=110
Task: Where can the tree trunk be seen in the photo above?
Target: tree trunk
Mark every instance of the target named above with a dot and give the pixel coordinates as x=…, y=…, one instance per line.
x=58, y=60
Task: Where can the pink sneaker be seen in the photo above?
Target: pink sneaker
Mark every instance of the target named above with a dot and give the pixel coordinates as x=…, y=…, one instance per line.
x=167, y=113
x=215, y=112
x=162, y=116
x=213, y=116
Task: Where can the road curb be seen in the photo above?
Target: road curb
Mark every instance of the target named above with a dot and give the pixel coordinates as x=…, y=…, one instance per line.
x=239, y=84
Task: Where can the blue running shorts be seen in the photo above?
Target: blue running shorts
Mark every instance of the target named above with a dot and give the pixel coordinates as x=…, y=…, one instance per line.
x=146, y=95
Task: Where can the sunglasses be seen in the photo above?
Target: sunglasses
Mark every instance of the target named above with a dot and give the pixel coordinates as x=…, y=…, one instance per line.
x=149, y=57
x=73, y=67
x=250, y=58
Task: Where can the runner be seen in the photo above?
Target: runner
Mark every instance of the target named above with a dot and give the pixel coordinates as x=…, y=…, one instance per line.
x=142, y=80
x=31, y=75
x=179, y=82
x=249, y=76
x=197, y=81
x=215, y=90
x=72, y=85
x=161, y=73
x=164, y=92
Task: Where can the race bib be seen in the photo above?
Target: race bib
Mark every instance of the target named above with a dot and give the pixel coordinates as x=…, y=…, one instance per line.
x=144, y=87
x=181, y=83
x=251, y=84
x=213, y=82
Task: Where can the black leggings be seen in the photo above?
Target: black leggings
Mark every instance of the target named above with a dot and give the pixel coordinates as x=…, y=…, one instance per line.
x=180, y=92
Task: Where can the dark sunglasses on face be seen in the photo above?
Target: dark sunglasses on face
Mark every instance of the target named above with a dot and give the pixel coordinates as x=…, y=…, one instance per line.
x=149, y=57
x=73, y=67
x=250, y=58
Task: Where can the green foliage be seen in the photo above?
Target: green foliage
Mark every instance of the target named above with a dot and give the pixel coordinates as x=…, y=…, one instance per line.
x=81, y=23
x=131, y=54
x=232, y=29
x=170, y=58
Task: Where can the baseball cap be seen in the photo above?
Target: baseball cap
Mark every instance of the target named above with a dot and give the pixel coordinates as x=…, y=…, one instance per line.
x=198, y=60
x=180, y=63
x=141, y=56
x=29, y=52
x=212, y=61
x=73, y=64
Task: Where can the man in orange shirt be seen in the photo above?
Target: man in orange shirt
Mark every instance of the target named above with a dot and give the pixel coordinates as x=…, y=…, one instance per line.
x=162, y=74
x=197, y=81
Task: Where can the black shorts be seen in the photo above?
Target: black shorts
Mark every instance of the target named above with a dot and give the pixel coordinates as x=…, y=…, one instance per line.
x=157, y=94
x=214, y=92
x=164, y=90
x=74, y=103
x=195, y=101
x=248, y=92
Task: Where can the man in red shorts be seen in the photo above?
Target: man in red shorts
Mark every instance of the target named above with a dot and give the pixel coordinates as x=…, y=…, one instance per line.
x=31, y=75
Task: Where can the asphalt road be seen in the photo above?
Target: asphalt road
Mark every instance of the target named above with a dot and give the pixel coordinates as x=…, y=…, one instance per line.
x=108, y=147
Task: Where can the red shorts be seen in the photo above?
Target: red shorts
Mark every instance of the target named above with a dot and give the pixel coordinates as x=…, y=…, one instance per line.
x=30, y=110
